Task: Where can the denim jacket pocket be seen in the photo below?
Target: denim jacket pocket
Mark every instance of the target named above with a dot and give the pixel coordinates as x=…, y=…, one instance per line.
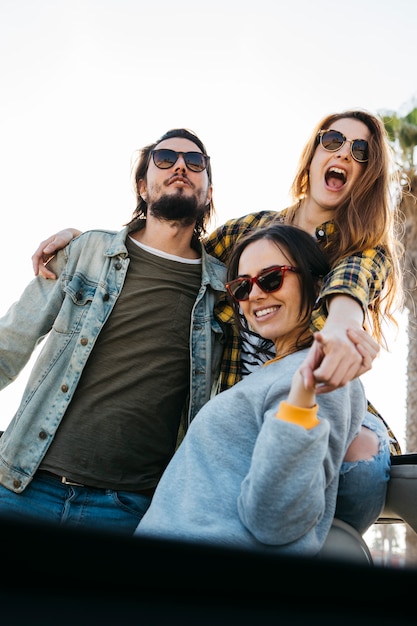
x=79, y=294
x=81, y=290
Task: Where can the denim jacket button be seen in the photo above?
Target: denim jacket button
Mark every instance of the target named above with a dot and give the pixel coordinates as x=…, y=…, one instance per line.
x=84, y=341
x=43, y=435
x=16, y=483
x=64, y=388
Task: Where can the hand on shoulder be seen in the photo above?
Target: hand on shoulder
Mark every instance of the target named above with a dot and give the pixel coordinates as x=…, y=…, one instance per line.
x=48, y=248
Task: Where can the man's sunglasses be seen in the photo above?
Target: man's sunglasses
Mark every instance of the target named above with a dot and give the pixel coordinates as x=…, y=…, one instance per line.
x=165, y=158
x=268, y=280
x=333, y=140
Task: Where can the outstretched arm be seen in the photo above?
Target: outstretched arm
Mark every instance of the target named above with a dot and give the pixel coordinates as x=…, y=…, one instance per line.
x=47, y=249
x=347, y=350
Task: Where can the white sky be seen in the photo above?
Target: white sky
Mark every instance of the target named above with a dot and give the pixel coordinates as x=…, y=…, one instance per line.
x=85, y=83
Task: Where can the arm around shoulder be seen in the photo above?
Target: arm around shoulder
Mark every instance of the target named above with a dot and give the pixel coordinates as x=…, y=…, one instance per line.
x=48, y=248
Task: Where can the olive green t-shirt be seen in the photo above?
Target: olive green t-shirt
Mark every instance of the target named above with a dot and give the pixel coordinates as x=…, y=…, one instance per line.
x=120, y=429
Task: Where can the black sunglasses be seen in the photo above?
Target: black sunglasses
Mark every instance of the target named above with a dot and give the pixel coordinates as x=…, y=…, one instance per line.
x=268, y=280
x=165, y=158
x=333, y=140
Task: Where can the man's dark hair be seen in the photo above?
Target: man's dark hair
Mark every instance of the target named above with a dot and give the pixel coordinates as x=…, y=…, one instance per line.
x=140, y=169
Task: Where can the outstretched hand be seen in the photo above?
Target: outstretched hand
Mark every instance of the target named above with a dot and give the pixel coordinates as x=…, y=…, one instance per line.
x=47, y=249
x=333, y=362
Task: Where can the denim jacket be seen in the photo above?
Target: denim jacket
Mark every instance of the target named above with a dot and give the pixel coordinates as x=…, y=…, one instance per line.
x=72, y=311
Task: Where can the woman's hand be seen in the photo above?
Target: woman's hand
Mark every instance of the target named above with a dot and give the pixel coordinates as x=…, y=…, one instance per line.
x=342, y=350
x=47, y=249
x=341, y=358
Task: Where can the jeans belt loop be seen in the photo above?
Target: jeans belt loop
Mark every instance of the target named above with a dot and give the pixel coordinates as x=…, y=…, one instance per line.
x=65, y=481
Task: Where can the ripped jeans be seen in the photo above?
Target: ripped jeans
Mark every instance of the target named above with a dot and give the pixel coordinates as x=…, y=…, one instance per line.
x=363, y=484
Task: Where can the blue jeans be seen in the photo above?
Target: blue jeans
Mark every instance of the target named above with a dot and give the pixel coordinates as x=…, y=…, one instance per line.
x=48, y=500
x=363, y=484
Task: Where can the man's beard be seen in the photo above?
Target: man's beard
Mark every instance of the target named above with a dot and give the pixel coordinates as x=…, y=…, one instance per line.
x=177, y=208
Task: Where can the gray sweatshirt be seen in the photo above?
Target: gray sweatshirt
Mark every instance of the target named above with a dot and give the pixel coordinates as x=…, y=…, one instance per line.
x=243, y=477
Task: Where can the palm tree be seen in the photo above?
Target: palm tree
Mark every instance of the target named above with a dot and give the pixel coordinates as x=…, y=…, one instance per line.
x=402, y=132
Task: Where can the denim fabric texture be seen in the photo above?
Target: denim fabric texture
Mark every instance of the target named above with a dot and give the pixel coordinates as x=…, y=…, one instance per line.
x=71, y=312
x=76, y=507
x=363, y=484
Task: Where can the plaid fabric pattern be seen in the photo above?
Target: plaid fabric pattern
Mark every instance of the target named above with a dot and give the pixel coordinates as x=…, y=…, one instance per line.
x=220, y=244
x=361, y=276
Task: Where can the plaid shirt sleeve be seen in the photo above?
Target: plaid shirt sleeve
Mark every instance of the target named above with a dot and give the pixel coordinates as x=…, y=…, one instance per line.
x=221, y=241
x=360, y=276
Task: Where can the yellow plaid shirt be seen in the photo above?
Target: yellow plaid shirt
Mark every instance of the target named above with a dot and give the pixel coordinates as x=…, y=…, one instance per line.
x=361, y=276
